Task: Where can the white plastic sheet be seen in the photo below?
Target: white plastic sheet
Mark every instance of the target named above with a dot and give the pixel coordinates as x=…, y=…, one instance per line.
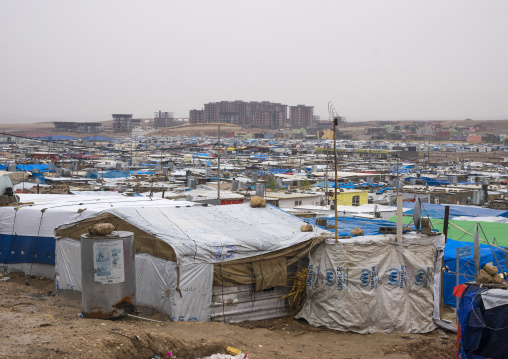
x=216, y=234
x=156, y=282
x=374, y=284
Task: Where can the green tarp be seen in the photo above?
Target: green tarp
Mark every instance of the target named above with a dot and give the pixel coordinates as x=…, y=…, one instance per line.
x=491, y=229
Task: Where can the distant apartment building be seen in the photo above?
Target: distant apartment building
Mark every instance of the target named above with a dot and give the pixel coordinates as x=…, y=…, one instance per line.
x=301, y=116
x=196, y=116
x=124, y=122
x=83, y=127
x=248, y=114
x=163, y=119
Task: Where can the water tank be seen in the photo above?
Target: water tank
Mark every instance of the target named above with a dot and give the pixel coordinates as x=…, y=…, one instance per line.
x=260, y=190
x=108, y=275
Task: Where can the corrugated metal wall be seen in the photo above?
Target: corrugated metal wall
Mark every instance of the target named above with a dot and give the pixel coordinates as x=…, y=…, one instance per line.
x=241, y=303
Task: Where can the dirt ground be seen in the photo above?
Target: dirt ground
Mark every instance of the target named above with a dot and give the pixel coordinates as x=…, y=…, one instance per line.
x=36, y=323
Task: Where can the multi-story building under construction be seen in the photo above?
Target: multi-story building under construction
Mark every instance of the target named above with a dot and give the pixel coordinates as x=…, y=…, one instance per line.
x=248, y=114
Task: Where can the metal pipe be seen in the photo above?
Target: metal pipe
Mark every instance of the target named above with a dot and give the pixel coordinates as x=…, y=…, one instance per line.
x=218, y=167
x=335, y=120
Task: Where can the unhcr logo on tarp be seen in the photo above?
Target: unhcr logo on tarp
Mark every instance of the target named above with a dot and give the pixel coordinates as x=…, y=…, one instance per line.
x=397, y=277
x=423, y=277
x=224, y=251
x=338, y=276
x=369, y=278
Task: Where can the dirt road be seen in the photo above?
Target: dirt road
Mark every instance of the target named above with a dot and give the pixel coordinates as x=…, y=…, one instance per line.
x=36, y=323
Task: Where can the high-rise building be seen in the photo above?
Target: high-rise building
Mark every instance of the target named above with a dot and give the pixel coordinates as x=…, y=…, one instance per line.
x=301, y=116
x=249, y=114
x=196, y=116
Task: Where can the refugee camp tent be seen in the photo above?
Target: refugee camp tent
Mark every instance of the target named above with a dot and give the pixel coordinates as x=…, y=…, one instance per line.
x=27, y=240
x=227, y=263
x=482, y=318
x=437, y=210
x=464, y=230
x=346, y=224
x=460, y=234
x=5, y=182
x=375, y=284
x=466, y=265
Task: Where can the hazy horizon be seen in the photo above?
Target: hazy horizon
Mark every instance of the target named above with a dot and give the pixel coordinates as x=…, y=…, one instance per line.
x=391, y=60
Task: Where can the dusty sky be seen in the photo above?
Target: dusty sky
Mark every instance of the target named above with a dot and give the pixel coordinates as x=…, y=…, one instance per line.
x=391, y=59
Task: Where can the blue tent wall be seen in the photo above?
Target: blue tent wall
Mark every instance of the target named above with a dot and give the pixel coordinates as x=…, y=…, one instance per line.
x=466, y=265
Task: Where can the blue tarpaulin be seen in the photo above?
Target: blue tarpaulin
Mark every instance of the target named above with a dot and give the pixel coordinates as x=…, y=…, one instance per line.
x=437, y=211
x=466, y=265
x=141, y=172
x=98, y=138
x=381, y=191
x=39, y=176
x=2, y=167
x=483, y=329
x=30, y=168
x=346, y=224
x=430, y=181
x=108, y=174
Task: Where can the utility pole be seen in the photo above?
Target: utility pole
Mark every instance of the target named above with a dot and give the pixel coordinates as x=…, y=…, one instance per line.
x=399, y=201
x=335, y=121
x=326, y=175
x=218, y=167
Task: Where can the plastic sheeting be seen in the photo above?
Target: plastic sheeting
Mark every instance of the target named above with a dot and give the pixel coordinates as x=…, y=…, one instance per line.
x=108, y=174
x=29, y=168
x=481, y=219
x=437, y=210
x=346, y=224
x=215, y=234
x=483, y=330
x=374, y=284
x=156, y=282
x=466, y=265
x=5, y=182
x=27, y=232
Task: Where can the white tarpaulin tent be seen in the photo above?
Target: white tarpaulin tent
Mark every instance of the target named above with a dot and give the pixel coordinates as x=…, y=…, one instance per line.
x=27, y=232
x=182, y=252
x=374, y=284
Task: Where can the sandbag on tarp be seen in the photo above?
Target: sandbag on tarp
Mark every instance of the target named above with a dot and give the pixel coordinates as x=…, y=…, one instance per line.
x=374, y=284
